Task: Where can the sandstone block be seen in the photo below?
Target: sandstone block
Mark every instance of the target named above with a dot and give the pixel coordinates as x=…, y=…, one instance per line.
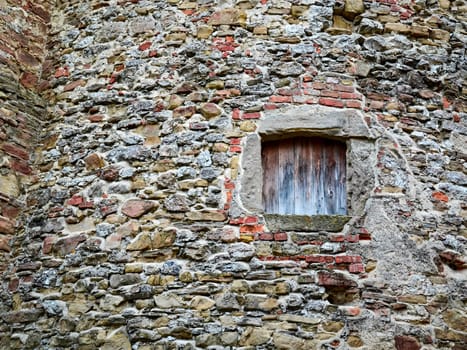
x=353, y=8
x=210, y=110
x=142, y=242
x=201, y=303
x=117, y=339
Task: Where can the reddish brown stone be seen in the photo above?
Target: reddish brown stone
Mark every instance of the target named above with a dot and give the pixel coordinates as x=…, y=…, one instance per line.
x=67, y=245
x=62, y=72
x=335, y=280
x=405, y=342
x=15, y=151
x=75, y=200
x=28, y=80
x=6, y=226
x=94, y=161
x=27, y=59
x=109, y=174
x=73, y=85
x=134, y=208
x=453, y=259
x=5, y=243
x=184, y=112
x=21, y=166
x=47, y=245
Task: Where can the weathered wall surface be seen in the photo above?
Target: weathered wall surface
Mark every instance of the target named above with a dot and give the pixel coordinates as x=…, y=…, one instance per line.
x=23, y=36
x=136, y=234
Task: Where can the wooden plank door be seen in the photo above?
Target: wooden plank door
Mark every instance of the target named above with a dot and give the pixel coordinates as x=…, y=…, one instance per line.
x=304, y=176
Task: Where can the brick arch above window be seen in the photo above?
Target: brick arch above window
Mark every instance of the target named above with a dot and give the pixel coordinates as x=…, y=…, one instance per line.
x=308, y=122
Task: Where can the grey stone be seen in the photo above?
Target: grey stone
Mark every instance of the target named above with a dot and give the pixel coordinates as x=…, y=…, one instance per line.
x=123, y=280
x=171, y=268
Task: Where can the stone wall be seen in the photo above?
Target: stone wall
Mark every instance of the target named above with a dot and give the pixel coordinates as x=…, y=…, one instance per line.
x=137, y=234
x=23, y=37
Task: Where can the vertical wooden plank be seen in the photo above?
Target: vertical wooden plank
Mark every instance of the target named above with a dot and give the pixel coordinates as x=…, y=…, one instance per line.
x=341, y=185
x=286, y=189
x=270, y=162
x=330, y=177
x=303, y=176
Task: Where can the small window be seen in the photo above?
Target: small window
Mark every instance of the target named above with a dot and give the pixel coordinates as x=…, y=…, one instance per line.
x=304, y=176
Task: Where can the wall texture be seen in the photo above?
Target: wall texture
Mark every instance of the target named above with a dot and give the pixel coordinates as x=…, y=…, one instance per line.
x=129, y=135
x=23, y=36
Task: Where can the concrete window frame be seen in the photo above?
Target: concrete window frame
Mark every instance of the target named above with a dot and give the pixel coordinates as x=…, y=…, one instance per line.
x=345, y=125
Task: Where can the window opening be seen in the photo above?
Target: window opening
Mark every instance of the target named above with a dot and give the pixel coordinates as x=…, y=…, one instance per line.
x=304, y=176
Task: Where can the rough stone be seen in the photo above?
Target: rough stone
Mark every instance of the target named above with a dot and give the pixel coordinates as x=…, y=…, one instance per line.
x=135, y=208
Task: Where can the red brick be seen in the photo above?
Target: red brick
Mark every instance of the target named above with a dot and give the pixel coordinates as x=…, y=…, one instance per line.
x=255, y=115
x=350, y=95
x=235, y=141
x=251, y=228
x=352, y=238
x=348, y=259
x=440, y=196
x=236, y=221
x=319, y=259
x=281, y=236
x=144, y=46
x=236, y=114
x=229, y=184
x=251, y=220
x=280, y=99
x=86, y=205
x=265, y=237
x=353, y=104
x=235, y=149
x=329, y=93
x=269, y=106
x=75, y=200
x=339, y=238
x=332, y=102
x=356, y=268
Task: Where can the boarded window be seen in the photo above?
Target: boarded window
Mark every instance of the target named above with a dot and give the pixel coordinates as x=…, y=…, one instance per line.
x=304, y=176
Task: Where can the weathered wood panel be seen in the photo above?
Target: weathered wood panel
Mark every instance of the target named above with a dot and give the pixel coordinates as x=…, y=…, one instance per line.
x=304, y=176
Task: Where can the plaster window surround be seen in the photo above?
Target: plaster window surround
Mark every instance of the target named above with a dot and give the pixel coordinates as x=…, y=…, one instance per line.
x=304, y=122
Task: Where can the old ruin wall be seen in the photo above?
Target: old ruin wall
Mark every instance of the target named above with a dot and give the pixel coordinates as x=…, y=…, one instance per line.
x=129, y=143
